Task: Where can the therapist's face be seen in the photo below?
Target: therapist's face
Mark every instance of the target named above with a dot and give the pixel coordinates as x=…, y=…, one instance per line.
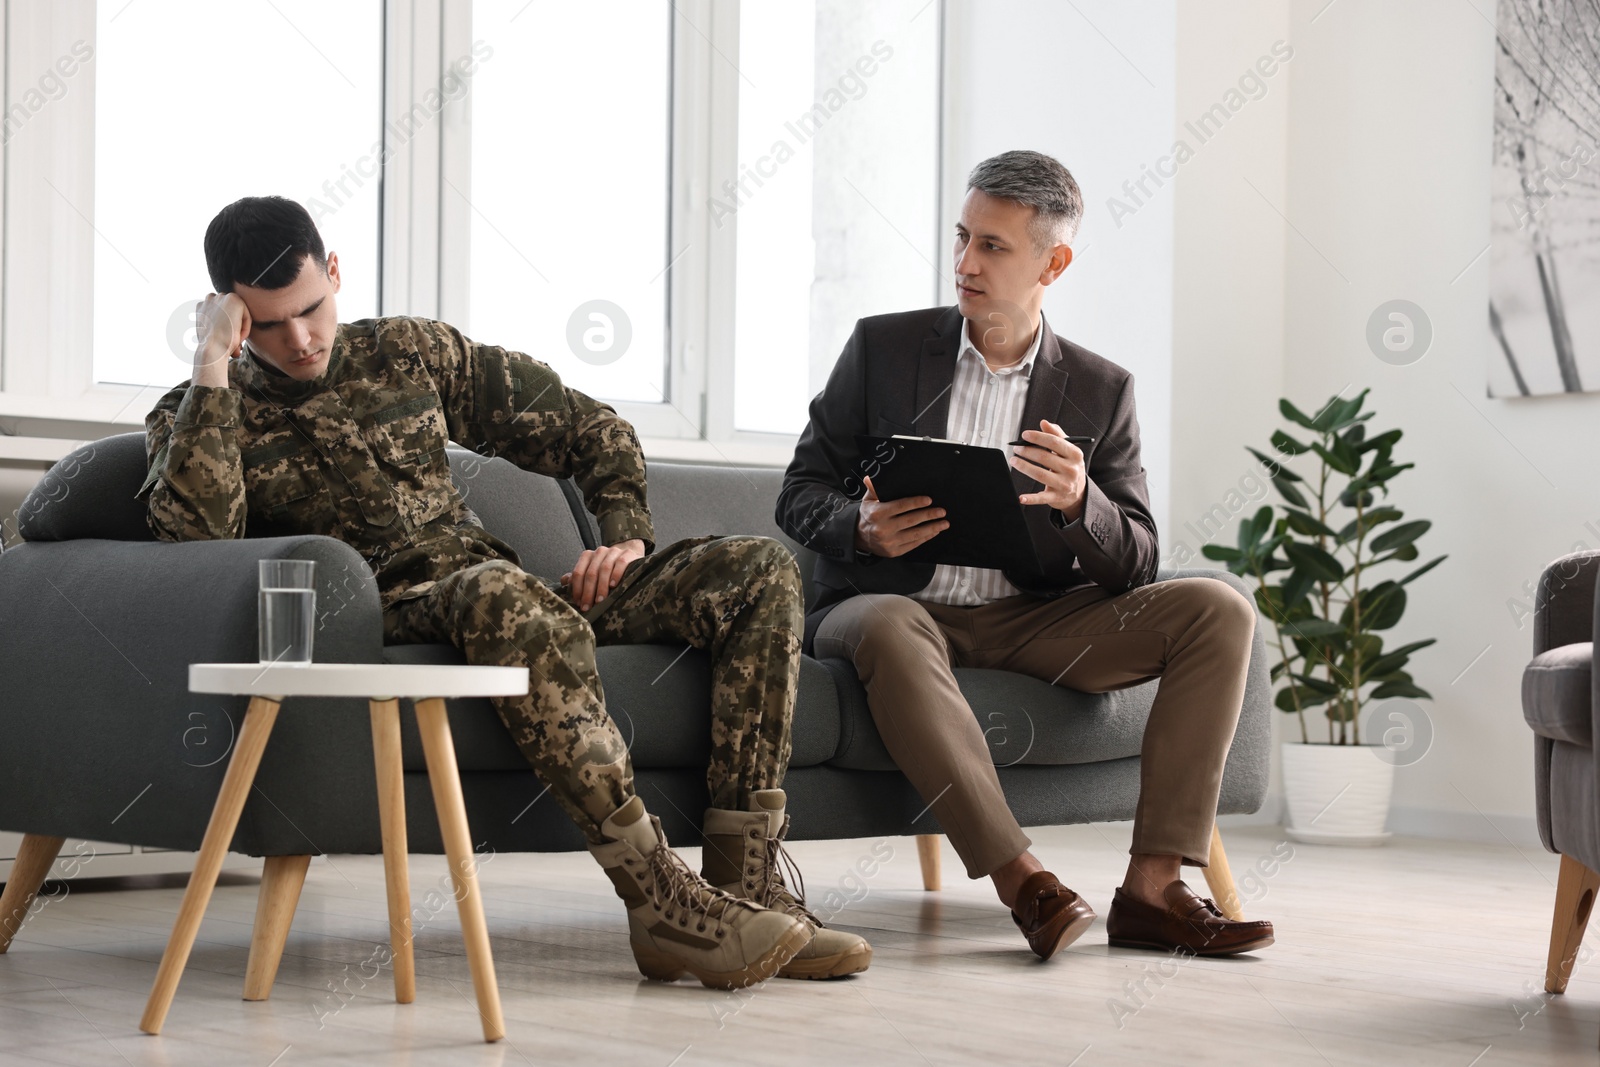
x=999, y=272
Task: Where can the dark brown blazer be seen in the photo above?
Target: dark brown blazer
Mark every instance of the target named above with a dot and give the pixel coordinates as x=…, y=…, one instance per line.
x=894, y=376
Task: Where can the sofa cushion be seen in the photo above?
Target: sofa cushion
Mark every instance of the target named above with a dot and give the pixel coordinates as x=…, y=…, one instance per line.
x=690, y=500
x=89, y=492
x=527, y=511
x=659, y=695
x=1026, y=721
x=1558, y=693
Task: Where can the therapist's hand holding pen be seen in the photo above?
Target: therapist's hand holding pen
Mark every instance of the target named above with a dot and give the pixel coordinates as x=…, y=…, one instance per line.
x=1051, y=458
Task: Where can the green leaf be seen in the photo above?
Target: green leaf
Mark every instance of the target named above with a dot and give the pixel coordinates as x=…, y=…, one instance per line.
x=1275, y=467
x=1350, y=500
x=1392, y=661
x=1313, y=628
x=1308, y=698
x=1221, y=552
x=1342, y=464
x=1403, y=534
x=1258, y=525
x=1321, y=685
x=1339, y=413
x=1286, y=444
x=1289, y=492
x=1382, y=606
x=1368, y=521
x=1315, y=561
x=1327, y=415
x=1293, y=414
x=1295, y=587
x=1382, y=472
x=1306, y=523
x=1424, y=569
x=1384, y=440
x=1399, y=689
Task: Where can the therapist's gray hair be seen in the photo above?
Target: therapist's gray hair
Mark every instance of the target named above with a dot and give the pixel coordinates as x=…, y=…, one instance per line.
x=1042, y=183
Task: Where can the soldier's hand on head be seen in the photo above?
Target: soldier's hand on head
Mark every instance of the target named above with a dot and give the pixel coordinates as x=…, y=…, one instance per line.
x=222, y=323
x=599, y=570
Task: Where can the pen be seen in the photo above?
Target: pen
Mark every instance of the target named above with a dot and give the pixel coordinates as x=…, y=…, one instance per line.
x=1074, y=440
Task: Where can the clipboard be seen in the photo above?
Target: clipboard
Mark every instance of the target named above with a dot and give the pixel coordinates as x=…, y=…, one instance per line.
x=973, y=485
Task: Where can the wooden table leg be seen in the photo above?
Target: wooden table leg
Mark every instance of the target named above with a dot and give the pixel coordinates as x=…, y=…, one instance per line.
x=241, y=774
x=28, y=872
x=1220, y=878
x=445, y=778
x=928, y=856
x=392, y=818
x=282, y=878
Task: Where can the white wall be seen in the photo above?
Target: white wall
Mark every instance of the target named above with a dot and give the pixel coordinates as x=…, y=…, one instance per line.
x=1359, y=175
x=1228, y=276
x=1091, y=84
x=1388, y=163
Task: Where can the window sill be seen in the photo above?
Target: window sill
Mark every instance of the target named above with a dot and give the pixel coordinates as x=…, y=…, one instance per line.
x=720, y=454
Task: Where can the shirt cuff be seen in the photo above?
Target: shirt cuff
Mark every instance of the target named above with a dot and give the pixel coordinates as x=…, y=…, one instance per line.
x=624, y=525
x=210, y=405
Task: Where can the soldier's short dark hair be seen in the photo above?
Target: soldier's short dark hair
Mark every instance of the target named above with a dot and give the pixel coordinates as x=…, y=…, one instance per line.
x=1042, y=183
x=261, y=241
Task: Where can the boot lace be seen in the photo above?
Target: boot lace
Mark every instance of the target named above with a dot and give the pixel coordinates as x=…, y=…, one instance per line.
x=687, y=895
x=775, y=893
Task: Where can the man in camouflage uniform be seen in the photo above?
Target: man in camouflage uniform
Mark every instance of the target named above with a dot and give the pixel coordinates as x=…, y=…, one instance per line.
x=295, y=423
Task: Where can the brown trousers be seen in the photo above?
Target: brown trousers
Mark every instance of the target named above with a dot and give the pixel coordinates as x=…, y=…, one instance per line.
x=1192, y=633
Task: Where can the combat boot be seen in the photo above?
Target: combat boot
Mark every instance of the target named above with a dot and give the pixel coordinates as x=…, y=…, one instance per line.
x=679, y=924
x=743, y=854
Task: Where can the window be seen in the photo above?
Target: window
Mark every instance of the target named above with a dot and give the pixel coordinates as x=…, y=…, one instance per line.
x=569, y=200
x=834, y=199
x=683, y=206
x=297, y=112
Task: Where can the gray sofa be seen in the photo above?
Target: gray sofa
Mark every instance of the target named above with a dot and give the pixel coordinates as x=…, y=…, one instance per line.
x=1559, y=700
x=98, y=623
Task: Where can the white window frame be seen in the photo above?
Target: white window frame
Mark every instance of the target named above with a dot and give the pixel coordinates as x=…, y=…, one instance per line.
x=48, y=239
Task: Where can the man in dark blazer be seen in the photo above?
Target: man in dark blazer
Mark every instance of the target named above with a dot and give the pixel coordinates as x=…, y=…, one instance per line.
x=982, y=373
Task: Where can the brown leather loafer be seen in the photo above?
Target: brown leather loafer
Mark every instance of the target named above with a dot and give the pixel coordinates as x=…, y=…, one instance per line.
x=1189, y=923
x=1050, y=915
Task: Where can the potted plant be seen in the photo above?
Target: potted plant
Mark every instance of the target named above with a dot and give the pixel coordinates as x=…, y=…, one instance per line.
x=1313, y=568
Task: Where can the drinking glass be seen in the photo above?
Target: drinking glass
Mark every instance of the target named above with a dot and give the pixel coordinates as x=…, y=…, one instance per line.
x=287, y=611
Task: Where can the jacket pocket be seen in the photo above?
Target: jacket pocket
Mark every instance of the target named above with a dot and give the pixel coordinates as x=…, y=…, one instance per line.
x=285, y=491
x=408, y=432
x=409, y=440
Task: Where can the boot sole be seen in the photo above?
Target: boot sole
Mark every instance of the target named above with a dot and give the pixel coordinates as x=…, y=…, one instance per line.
x=838, y=965
x=662, y=966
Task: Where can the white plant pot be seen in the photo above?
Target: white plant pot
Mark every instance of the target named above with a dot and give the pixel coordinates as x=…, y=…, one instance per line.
x=1337, y=794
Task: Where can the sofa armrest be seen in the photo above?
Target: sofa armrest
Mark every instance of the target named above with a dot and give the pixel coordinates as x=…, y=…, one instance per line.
x=104, y=741
x=1564, y=606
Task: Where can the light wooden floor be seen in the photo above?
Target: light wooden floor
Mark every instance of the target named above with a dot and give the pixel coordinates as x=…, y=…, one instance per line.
x=1418, y=953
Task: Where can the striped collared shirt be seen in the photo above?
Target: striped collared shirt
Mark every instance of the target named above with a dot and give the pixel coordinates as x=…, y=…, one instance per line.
x=985, y=409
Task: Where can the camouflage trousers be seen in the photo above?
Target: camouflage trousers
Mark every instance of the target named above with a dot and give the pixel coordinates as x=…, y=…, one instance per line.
x=739, y=599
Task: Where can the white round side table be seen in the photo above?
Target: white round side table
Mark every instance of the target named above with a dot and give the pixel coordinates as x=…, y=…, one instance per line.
x=382, y=684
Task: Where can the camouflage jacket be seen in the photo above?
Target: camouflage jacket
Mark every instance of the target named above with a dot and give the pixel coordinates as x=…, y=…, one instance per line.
x=358, y=452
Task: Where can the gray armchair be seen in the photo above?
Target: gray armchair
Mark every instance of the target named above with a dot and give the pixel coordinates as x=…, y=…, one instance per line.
x=98, y=623
x=1559, y=702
